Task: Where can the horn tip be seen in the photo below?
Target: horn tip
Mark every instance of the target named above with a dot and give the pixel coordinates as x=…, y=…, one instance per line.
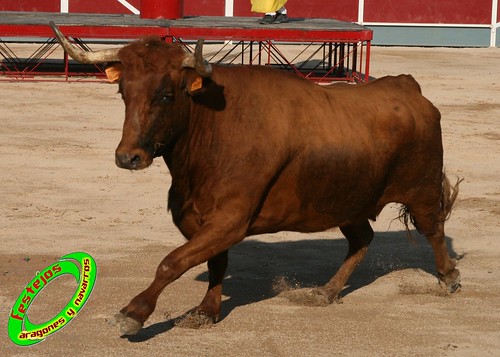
x=55, y=29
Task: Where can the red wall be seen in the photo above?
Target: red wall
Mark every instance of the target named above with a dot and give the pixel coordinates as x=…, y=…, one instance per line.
x=191, y=7
x=345, y=10
x=406, y=11
x=78, y=6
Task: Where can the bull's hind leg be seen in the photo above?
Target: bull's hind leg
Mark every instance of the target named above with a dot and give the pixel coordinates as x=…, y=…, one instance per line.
x=430, y=222
x=432, y=226
x=445, y=265
x=359, y=235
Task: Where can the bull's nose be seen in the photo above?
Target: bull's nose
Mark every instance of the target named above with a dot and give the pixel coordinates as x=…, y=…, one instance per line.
x=129, y=161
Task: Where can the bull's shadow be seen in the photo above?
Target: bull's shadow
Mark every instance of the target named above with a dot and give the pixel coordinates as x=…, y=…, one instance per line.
x=255, y=266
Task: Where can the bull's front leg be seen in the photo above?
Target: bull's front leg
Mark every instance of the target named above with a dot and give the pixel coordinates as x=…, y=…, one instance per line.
x=210, y=306
x=208, y=312
x=210, y=244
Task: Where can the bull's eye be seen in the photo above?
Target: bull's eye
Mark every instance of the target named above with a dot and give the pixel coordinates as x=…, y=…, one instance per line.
x=166, y=98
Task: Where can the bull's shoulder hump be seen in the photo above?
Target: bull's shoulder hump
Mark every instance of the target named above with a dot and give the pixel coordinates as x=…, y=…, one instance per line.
x=239, y=73
x=403, y=80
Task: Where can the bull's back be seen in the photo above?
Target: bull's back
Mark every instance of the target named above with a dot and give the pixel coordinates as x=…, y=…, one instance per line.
x=273, y=98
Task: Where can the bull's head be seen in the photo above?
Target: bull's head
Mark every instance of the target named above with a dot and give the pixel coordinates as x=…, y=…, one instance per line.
x=155, y=81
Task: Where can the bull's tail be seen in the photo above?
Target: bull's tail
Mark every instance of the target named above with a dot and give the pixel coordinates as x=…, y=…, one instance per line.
x=450, y=193
x=448, y=197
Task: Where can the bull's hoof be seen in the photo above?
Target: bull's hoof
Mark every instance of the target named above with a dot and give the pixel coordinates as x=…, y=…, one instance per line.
x=452, y=281
x=453, y=288
x=311, y=297
x=127, y=325
x=194, y=320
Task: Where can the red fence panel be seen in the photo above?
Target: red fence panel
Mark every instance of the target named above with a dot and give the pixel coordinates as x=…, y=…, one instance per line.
x=102, y=6
x=205, y=7
x=31, y=5
x=428, y=11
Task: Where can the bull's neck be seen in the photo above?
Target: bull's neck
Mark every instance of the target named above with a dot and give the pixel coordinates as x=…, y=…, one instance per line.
x=191, y=143
x=194, y=129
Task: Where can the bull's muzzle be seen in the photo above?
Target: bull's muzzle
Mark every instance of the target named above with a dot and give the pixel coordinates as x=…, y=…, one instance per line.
x=132, y=160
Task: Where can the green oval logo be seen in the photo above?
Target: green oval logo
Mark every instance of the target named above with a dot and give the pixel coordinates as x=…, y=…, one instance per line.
x=24, y=333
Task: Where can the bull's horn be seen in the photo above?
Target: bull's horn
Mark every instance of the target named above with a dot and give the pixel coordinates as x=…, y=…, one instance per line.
x=196, y=61
x=110, y=55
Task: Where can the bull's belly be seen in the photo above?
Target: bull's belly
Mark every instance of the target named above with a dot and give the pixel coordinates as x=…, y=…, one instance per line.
x=322, y=191
x=293, y=213
x=301, y=223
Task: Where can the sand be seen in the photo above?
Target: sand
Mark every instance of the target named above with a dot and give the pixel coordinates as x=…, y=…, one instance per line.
x=61, y=192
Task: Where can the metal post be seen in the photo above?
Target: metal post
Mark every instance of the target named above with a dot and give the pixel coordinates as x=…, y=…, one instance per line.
x=367, y=61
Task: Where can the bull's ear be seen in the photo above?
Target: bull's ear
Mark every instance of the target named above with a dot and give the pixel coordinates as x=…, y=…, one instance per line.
x=114, y=72
x=194, y=84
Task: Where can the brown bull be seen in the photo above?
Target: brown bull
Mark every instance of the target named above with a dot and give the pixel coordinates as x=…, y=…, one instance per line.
x=254, y=150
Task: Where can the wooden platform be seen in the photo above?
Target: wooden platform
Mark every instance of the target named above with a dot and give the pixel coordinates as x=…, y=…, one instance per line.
x=29, y=24
x=14, y=24
x=343, y=47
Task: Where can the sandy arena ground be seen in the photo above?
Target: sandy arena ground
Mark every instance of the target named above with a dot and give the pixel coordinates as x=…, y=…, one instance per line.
x=61, y=192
